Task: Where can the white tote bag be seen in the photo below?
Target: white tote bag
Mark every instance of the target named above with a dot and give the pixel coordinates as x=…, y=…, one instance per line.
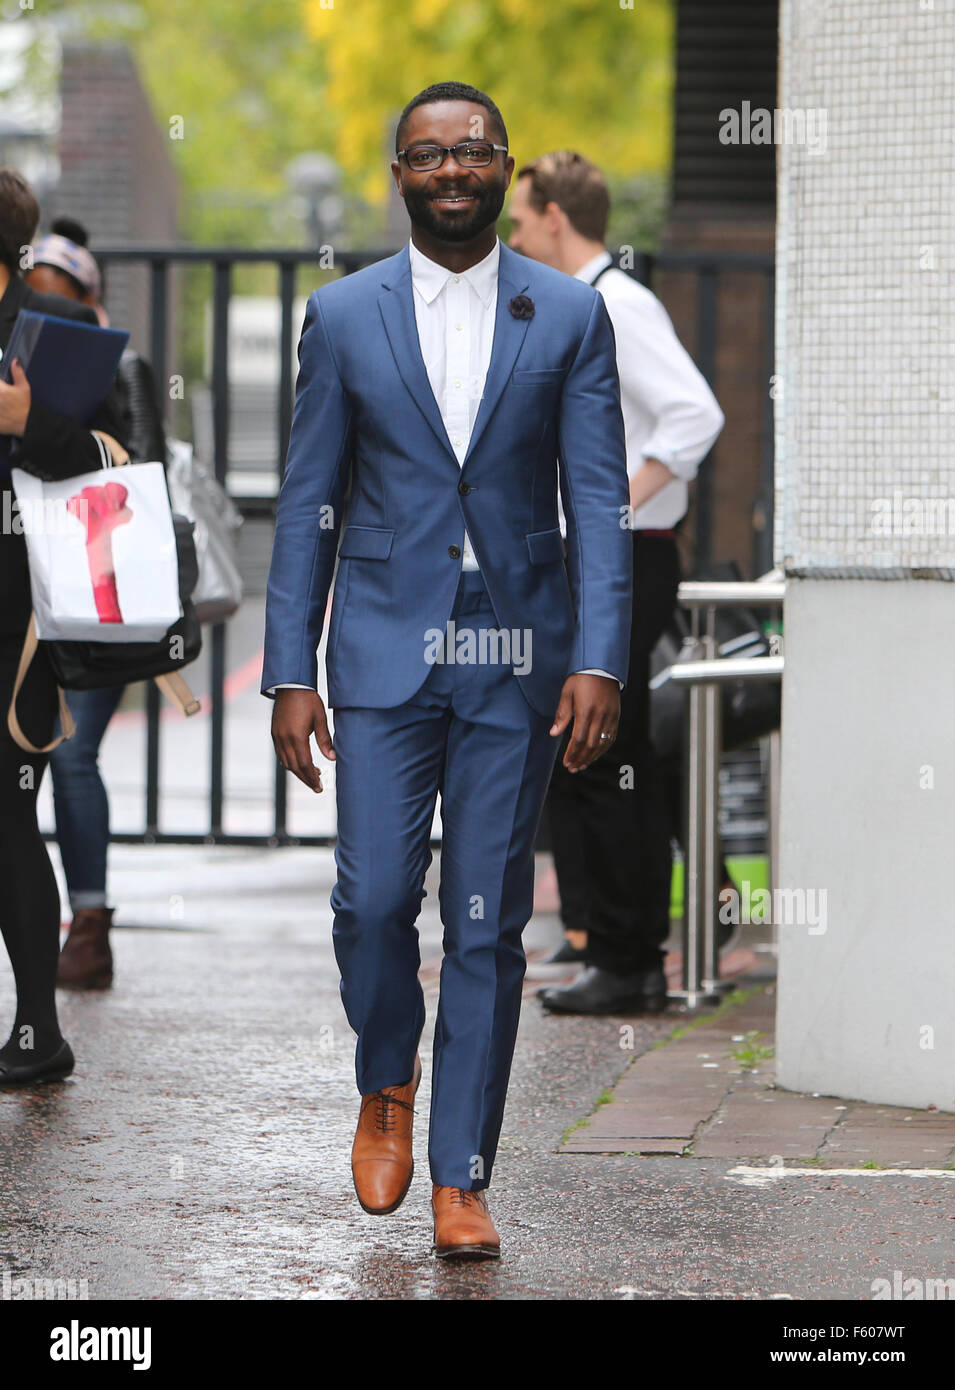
x=102, y=553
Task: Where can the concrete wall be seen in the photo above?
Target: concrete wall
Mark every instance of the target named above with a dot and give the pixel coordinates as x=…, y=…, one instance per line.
x=866, y=322
x=866, y=1007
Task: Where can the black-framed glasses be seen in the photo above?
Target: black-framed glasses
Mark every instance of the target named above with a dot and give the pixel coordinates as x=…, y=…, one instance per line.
x=471, y=154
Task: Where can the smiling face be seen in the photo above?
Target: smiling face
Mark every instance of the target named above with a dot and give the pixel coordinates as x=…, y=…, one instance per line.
x=455, y=203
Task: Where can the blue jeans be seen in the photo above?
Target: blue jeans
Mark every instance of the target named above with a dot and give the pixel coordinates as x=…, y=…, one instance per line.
x=79, y=796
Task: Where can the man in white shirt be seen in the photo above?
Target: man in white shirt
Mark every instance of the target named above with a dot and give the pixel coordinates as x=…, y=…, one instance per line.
x=443, y=397
x=609, y=834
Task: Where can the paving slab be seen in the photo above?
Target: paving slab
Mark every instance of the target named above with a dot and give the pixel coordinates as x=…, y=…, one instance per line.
x=709, y=1092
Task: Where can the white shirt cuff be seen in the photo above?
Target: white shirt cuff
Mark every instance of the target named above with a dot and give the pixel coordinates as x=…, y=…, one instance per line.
x=595, y=671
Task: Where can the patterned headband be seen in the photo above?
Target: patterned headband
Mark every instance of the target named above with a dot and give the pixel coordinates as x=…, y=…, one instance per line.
x=63, y=254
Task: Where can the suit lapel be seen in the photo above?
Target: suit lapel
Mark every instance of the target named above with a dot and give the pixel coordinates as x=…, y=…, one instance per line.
x=508, y=339
x=397, y=311
x=396, y=304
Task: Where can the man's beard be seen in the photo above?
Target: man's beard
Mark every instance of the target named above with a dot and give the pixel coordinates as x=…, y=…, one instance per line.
x=450, y=226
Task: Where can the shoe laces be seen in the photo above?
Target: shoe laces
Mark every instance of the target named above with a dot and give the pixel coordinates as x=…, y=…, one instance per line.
x=464, y=1197
x=386, y=1117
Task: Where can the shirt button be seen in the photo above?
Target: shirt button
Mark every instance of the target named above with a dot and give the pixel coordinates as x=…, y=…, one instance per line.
x=459, y=327
x=454, y=551
x=457, y=279
x=458, y=385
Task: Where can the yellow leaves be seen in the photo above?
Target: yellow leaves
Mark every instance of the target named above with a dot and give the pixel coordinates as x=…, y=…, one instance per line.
x=583, y=74
x=425, y=14
x=321, y=16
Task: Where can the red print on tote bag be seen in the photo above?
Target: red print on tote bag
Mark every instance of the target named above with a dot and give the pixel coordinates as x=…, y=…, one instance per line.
x=101, y=509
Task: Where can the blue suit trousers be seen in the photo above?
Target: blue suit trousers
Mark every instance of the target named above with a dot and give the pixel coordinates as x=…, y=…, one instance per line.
x=470, y=734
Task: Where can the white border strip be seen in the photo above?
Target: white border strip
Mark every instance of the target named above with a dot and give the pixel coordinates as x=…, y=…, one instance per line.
x=761, y=1177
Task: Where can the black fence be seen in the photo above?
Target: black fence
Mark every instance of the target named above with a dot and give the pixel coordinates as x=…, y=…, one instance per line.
x=160, y=262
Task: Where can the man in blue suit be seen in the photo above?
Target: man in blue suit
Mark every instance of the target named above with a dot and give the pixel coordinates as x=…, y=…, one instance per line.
x=443, y=396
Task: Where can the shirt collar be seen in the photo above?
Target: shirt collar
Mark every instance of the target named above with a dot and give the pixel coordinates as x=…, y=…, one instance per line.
x=429, y=278
x=597, y=263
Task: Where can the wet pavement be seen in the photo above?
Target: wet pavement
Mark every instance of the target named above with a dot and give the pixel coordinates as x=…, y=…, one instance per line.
x=201, y=1149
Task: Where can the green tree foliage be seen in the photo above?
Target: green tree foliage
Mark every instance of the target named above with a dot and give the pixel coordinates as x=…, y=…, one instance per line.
x=249, y=86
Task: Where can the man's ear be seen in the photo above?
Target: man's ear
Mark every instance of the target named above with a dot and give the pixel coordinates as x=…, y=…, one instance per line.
x=555, y=217
x=396, y=175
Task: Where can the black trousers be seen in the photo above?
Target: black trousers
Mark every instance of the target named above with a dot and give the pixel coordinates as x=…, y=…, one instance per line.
x=30, y=900
x=609, y=825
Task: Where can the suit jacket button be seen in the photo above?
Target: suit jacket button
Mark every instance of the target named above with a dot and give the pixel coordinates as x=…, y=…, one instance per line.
x=464, y=489
x=454, y=551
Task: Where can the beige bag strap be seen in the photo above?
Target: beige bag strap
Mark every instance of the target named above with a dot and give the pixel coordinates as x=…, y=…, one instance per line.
x=177, y=691
x=13, y=724
x=117, y=453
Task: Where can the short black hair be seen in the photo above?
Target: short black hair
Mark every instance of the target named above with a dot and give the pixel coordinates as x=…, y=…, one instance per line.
x=449, y=91
x=73, y=231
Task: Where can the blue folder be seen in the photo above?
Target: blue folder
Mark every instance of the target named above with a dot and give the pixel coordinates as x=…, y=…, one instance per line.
x=70, y=365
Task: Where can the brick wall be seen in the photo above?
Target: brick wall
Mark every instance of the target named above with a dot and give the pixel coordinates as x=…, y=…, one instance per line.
x=117, y=175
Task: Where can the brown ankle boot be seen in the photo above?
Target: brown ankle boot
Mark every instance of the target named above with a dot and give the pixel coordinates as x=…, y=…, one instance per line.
x=86, y=961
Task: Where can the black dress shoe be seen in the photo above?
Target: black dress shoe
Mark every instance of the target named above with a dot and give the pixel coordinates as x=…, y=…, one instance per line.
x=602, y=992
x=567, y=955
x=53, y=1068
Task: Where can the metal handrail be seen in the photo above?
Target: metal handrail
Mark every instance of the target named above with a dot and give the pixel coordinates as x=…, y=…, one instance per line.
x=758, y=593
x=727, y=668
x=703, y=677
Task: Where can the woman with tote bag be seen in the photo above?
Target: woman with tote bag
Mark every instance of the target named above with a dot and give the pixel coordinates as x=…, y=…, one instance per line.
x=39, y=441
x=63, y=265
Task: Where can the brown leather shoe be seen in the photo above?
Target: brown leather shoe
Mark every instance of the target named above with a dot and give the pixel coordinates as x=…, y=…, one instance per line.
x=381, y=1161
x=86, y=961
x=463, y=1228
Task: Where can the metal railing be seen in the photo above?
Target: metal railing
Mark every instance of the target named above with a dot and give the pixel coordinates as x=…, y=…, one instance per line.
x=703, y=677
x=222, y=260
x=160, y=262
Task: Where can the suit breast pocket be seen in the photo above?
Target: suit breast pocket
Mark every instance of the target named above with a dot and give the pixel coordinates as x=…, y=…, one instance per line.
x=538, y=376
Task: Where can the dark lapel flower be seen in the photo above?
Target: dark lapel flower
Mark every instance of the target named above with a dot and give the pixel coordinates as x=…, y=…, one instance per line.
x=522, y=306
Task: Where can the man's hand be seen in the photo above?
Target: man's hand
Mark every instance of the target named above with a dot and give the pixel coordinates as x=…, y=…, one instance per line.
x=14, y=401
x=650, y=477
x=593, y=702
x=296, y=716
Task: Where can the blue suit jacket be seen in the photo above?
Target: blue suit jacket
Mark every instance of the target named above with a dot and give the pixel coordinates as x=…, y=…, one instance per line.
x=372, y=476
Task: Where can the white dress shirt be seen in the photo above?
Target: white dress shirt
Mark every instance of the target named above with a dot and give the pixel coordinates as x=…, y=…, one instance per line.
x=455, y=314
x=669, y=411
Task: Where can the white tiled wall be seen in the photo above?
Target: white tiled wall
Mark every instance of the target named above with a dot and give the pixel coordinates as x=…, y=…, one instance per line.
x=865, y=408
